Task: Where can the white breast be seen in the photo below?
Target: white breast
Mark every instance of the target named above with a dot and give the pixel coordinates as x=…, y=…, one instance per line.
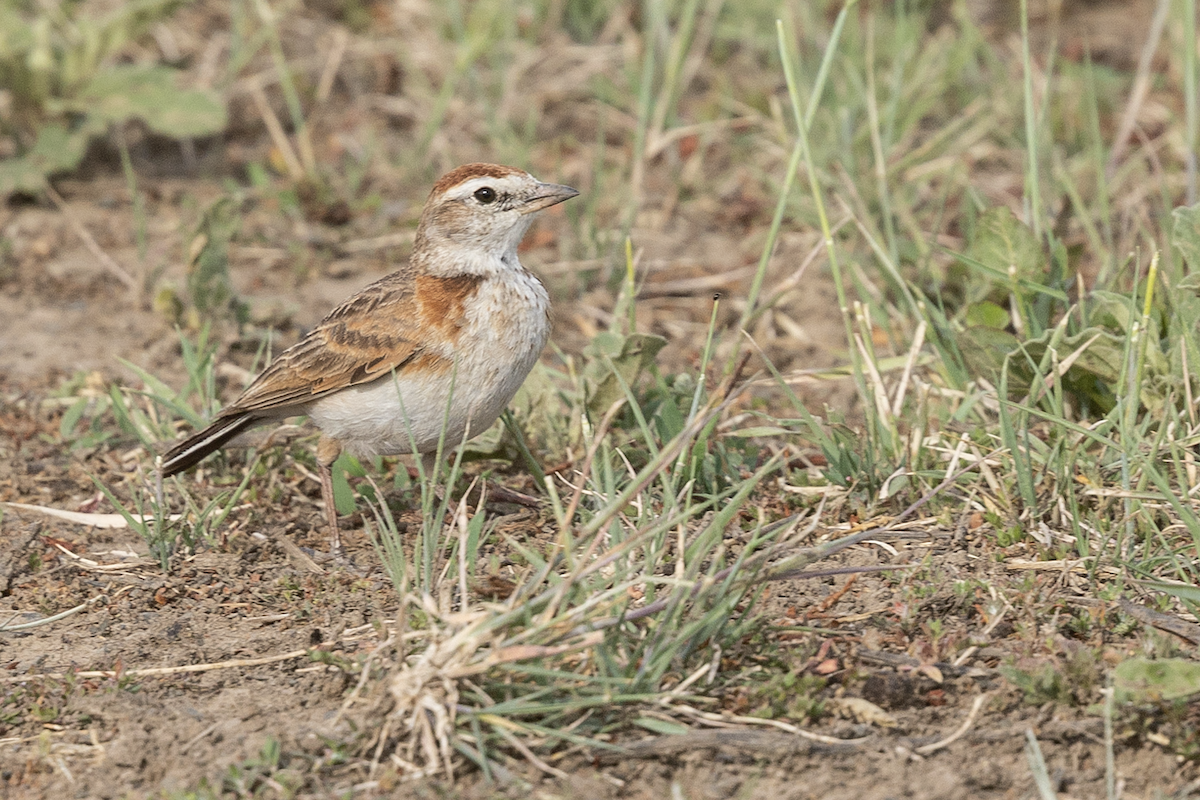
x=506, y=328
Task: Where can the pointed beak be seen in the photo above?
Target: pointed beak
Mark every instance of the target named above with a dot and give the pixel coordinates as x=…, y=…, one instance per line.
x=548, y=194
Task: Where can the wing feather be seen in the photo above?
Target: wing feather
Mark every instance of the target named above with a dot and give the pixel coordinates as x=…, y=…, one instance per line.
x=358, y=342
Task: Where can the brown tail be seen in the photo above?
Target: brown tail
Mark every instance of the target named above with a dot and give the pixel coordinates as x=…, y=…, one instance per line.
x=193, y=450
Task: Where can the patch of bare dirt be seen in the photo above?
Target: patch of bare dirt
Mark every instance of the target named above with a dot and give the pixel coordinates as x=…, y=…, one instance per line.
x=263, y=639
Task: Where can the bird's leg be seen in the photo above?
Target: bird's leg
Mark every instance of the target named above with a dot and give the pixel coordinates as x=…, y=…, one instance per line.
x=328, y=451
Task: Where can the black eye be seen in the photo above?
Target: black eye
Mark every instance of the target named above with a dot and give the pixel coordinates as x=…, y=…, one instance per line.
x=485, y=195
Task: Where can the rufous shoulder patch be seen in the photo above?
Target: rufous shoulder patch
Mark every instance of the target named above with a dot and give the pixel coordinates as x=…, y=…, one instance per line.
x=440, y=301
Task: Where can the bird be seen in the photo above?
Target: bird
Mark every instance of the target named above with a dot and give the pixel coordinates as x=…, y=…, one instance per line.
x=433, y=351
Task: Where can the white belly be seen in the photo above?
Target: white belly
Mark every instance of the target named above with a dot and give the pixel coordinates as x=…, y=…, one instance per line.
x=500, y=342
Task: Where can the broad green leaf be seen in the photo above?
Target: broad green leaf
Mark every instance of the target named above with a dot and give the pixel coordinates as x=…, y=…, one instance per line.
x=537, y=407
x=1007, y=247
x=1095, y=370
x=628, y=357
x=1190, y=283
x=152, y=95
x=984, y=350
x=1112, y=310
x=1141, y=680
x=55, y=150
x=20, y=175
x=988, y=315
x=1183, y=323
x=1101, y=355
x=16, y=35
x=492, y=444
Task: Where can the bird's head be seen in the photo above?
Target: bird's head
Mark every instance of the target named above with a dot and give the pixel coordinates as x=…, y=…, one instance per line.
x=477, y=214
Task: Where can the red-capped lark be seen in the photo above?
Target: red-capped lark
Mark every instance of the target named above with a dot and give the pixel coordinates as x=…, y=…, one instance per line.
x=443, y=342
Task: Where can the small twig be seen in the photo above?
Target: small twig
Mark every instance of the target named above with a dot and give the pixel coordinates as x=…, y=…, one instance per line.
x=384, y=732
x=803, y=574
x=153, y=671
x=659, y=142
x=104, y=521
x=47, y=620
x=464, y=533
x=529, y=756
x=914, y=352
x=689, y=680
x=833, y=597
x=766, y=746
x=278, y=136
x=823, y=551
x=1110, y=761
x=967, y=654
x=958, y=734
x=734, y=380
x=522, y=652
x=87, y=563
x=329, y=73
x=188, y=744
x=503, y=494
x=104, y=258
x=1141, y=86
x=1187, y=631
x=297, y=555
x=690, y=287
x=708, y=716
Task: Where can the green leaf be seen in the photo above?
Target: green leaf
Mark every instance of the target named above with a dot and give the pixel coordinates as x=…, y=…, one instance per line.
x=1094, y=372
x=152, y=95
x=984, y=350
x=759, y=431
x=1185, y=234
x=988, y=315
x=20, y=175
x=71, y=418
x=1112, y=310
x=537, y=407
x=493, y=444
x=1184, y=591
x=209, y=284
x=1183, y=324
x=661, y=726
x=343, y=495
x=1141, y=680
x=1101, y=356
x=609, y=355
x=55, y=150
x=16, y=36
x=1007, y=247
